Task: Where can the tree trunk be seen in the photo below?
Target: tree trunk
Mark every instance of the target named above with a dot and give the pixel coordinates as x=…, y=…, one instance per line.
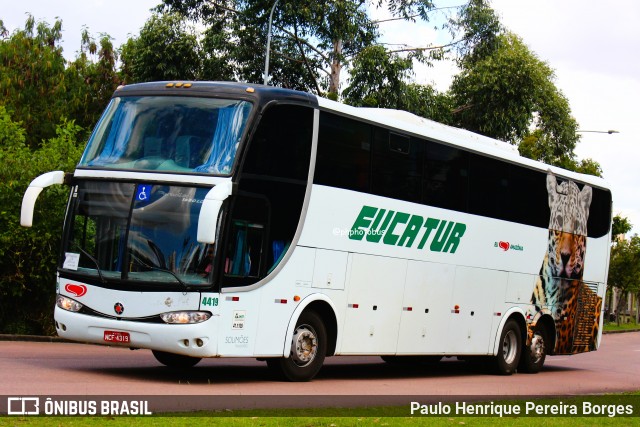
x=336, y=67
x=622, y=300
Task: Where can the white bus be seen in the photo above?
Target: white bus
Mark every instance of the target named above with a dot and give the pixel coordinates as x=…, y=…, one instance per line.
x=232, y=220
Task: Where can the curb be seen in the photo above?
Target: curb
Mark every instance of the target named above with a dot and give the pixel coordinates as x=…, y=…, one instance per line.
x=32, y=338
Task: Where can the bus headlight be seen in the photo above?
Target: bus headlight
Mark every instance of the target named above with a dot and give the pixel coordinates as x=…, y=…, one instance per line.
x=68, y=304
x=184, y=317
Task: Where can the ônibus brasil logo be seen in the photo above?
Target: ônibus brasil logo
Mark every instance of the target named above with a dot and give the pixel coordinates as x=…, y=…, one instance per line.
x=375, y=225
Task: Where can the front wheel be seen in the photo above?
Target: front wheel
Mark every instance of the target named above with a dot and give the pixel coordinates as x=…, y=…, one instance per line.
x=533, y=355
x=508, y=357
x=308, y=350
x=177, y=361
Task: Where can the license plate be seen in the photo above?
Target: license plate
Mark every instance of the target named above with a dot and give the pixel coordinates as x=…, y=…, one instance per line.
x=117, y=337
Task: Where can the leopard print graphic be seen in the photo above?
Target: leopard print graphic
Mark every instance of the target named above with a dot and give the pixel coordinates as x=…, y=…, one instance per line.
x=559, y=285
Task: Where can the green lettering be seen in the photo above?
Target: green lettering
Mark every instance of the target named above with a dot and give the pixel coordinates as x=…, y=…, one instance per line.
x=360, y=227
x=429, y=224
x=389, y=237
x=444, y=229
x=454, y=238
x=375, y=233
x=411, y=232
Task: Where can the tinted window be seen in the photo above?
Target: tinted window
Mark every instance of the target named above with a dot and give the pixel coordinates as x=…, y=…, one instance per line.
x=528, y=197
x=281, y=146
x=397, y=165
x=600, y=213
x=446, y=173
x=344, y=153
x=489, y=187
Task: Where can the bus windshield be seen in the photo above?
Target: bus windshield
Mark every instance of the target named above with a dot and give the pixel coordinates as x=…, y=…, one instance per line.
x=136, y=233
x=168, y=133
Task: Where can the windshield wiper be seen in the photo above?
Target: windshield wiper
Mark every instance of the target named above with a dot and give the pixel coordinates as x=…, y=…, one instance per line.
x=152, y=267
x=95, y=261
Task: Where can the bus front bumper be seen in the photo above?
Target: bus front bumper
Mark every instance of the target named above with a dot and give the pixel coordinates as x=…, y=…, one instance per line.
x=196, y=340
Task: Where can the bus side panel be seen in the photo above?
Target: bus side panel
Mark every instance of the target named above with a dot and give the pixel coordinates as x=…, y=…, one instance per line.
x=374, y=305
x=477, y=293
x=426, y=308
x=594, y=269
x=520, y=288
x=239, y=317
x=294, y=279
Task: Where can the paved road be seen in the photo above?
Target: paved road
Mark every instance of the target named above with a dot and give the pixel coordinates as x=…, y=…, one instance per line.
x=54, y=369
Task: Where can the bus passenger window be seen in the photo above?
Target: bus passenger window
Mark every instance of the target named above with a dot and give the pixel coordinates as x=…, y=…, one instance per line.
x=344, y=153
x=446, y=177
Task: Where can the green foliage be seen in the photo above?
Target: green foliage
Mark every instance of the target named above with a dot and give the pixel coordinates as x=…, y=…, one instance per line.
x=28, y=256
x=91, y=80
x=165, y=50
x=32, y=82
x=620, y=226
x=479, y=27
x=39, y=87
x=624, y=268
x=505, y=91
x=378, y=79
x=311, y=41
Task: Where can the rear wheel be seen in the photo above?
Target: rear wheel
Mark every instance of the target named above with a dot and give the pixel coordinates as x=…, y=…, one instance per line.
x=308, y=350
x=533, y=355
x=175, y=360
x=508, y=357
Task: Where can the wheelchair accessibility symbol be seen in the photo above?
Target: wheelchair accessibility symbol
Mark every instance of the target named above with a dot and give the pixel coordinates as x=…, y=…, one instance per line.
x=143, y=192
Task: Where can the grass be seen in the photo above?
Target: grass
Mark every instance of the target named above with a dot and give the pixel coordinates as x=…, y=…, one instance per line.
x=387, y=416
x=613, y=326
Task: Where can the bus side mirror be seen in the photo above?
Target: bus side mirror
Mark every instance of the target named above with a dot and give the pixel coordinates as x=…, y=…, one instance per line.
x=208, y=218
x=32, y=193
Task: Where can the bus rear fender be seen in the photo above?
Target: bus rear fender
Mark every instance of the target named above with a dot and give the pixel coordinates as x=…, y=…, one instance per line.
x=325, y=308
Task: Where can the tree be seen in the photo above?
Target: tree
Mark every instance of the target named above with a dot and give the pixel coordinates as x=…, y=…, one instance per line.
x=28, y=257
x=32, y=78
x=165, y=50
x=39, y=87
x=93, y=78
x=624, y=270
x=378, y=79
x=502, y=94
x=312, y=41
x=620, y=226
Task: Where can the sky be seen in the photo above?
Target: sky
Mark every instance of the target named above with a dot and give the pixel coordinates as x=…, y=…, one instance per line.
x=592, y=46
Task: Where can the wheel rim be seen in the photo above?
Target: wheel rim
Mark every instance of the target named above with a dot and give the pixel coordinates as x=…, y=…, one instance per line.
x=537, y=348
x=510, y=347
x=304, y=346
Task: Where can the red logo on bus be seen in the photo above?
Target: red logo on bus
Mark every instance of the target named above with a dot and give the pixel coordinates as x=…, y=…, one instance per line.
x=504, y=245
x=77, y=290
x=118, y=308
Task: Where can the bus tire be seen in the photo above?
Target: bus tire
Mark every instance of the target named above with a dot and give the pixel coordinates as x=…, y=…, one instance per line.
x=533, y=355
x=509, y=350
x=308, y=350
x=173, y=360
